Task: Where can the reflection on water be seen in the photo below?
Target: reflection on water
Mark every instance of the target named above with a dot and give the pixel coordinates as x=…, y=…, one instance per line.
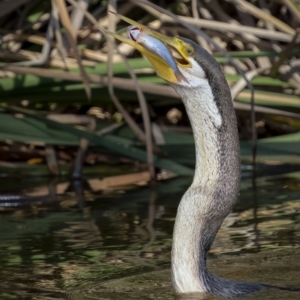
x=88, y=236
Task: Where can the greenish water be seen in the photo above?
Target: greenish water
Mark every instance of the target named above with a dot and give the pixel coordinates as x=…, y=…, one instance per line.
x=115, y=244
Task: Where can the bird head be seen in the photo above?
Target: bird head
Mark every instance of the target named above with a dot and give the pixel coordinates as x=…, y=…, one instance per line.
x=183, y=52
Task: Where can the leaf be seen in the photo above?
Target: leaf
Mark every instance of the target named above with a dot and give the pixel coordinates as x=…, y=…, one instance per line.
x=271, y=99
x=54, y=133
x=281, y=148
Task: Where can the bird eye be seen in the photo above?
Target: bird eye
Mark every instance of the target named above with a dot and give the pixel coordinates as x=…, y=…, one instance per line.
x=189, y=51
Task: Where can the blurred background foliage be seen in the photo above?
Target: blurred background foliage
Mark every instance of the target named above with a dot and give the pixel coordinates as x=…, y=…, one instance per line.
x=61, y=109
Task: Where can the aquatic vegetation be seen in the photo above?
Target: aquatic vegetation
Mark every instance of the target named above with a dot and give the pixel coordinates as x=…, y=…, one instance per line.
x=58, y=92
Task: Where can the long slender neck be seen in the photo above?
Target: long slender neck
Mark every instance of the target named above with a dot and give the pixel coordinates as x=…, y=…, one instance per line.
x=213, y=192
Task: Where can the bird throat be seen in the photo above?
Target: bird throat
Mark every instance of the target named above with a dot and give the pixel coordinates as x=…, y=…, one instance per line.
x=206, y=121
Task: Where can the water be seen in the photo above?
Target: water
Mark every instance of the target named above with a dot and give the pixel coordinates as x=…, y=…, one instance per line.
x=115, y=244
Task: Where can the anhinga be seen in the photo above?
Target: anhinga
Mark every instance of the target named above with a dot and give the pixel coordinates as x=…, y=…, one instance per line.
x=215, y=187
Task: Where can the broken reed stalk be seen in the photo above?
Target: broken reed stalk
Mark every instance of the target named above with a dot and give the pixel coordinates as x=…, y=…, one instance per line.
x=142, y=101
x=146, y=139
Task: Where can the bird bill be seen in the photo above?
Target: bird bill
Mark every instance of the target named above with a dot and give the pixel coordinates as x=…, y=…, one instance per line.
x=153, y=46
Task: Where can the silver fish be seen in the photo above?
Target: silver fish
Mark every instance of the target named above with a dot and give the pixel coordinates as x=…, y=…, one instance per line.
x=155, y=46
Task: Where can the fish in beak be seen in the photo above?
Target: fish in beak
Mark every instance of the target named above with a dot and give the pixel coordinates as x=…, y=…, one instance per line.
x=166, y=54
x=157, y=47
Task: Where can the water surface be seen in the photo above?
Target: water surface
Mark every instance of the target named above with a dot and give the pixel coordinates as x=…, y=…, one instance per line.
x=115, y=244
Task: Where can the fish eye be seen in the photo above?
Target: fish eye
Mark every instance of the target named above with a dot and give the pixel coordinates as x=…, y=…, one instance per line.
x=189, y=50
